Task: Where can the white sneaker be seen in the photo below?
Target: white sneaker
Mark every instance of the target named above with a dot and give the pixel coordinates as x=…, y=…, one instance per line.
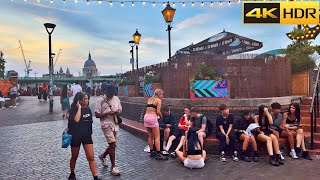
x=14, y=106
x=235, y=156
x=147, y=149
x=281, y=156
x=115, y=171
x=103, y=161
x=293, y=155
x=222, y=158
x=3, y=107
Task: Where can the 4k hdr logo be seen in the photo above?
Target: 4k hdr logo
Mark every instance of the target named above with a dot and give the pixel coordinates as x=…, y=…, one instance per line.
x=280, y=13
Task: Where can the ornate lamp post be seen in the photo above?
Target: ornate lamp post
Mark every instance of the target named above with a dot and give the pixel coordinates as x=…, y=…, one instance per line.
x=136, y=39
x=132, y=43
x=50, y=27
x=168, y=14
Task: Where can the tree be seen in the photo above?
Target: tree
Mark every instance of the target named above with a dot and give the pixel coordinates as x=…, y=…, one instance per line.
x=299, y=52
x=2, y=62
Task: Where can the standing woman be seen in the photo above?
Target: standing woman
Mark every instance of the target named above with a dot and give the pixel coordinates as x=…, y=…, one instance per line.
x=39, y=91
x=152, y=124
x=45, y=91
x=291, y=122
x=64, y=100
x=263, y=134
x=80, y=127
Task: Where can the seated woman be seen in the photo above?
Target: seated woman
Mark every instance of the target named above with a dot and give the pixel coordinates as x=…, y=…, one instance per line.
x=180, y=132
x=263, y=134
x=240, y=128
x=291, y=122
x=193, y=156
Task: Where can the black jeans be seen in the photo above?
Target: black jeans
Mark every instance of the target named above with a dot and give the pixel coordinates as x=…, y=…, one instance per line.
x=223, y=144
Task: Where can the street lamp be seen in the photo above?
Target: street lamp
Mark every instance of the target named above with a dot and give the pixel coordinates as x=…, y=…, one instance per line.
x=132, y=43
x=136, y=39
x=50, y=27
x=168, y=14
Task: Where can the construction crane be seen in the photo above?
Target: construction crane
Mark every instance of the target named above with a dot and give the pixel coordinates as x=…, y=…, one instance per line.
x=57, y=58
x=27, y=70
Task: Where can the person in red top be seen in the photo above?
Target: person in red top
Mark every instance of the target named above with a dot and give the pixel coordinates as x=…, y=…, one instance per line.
x=180, y=132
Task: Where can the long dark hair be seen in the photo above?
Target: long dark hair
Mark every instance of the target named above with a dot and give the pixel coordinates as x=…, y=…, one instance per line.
x=64, y=92
x=78, y=97
x=261, y=111
x=193, y=141
x=297, y=106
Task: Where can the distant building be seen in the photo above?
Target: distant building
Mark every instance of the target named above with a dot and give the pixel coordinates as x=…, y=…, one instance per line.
x=90, y=69
x=60, y=74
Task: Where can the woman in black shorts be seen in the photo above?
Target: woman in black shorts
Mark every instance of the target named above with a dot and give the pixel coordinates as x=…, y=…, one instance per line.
x=80, y=127
x=240, y=128
x=263, y=134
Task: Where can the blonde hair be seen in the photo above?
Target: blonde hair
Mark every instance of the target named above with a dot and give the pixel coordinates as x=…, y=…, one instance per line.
x=157, y=92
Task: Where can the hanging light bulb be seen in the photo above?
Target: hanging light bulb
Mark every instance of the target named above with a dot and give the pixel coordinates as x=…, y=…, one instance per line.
x=122, y=4
x=132, y=4
x=239, y=1
x=88, y=2
x=64, y=1
x=164, y=4
x=143, y=3
x=99, y=2
x=220, y=3
x=111, y=4
x=37, y=1
x=183, y=4
x=202, y=4
x=153, y=4
x=51, y=1
x=229, y=3
x=25, y=0
x=192, y=4
x=211, y=4
x=76, y=1
x=174, y=4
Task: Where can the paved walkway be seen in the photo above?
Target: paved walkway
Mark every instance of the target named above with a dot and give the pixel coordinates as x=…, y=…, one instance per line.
x=30, y=141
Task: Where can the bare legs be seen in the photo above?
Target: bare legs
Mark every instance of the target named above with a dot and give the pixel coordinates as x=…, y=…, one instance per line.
x=154, y=134
x=88, y=148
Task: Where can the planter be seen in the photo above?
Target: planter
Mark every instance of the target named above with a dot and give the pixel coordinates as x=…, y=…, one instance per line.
x=120, y=91
x=209, y=89
x=148, y=89
x=130, y=90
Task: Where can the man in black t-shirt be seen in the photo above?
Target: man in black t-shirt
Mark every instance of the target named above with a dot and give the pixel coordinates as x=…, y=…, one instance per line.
x=224, y=132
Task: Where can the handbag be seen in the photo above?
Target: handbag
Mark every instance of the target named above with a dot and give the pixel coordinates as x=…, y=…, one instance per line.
x=66, y=138
x=116, y=118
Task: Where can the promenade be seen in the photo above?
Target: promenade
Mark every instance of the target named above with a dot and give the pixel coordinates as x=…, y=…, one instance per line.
x=30, y=148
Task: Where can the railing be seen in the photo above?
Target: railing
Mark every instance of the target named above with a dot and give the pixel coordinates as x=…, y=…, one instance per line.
x=314, y=108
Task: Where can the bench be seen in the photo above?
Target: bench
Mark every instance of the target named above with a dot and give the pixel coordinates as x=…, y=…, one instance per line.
x=211, y=143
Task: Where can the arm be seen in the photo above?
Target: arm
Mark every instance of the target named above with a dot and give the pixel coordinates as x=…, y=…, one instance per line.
x=158, y=108
x=203, y=124
x=230, y=125
x=219, y=125
x=78, y=114
x=256, y=120
x=268, y=116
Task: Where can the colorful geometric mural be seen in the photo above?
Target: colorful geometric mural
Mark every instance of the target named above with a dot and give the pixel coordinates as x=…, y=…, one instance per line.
x=209, y=89
x=148, y=90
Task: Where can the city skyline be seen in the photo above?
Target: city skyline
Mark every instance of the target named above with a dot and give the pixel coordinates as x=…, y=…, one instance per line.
x=105, y=30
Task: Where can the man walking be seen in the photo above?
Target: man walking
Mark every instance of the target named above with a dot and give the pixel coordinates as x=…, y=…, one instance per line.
x=107, y=107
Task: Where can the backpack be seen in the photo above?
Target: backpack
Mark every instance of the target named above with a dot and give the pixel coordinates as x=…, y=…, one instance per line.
x=209, y=126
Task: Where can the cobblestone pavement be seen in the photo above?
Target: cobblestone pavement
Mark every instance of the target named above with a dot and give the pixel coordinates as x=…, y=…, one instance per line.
x=30, y=150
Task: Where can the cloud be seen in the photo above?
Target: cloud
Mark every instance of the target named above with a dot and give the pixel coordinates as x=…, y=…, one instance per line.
x=61, y=9
x=152, y=40
x=193, y=21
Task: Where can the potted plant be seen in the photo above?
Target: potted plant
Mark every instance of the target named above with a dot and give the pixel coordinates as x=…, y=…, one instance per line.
x=207, y=83
x=152, y=82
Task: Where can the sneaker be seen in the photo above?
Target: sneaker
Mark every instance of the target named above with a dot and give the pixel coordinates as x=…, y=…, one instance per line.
x=165, y=153
x=246, y=158
x=14, y=106
x=298, y=152
x=3, y=107
x=235, y=156
x=306, y=155
x=173, y=155
x=72, y=176
x=161, y=157
x=147, y=149
x=153, y=154
x=115, y=171
x=281, y=156
x=256, y=158
x=279, y=159
x=293, y=155
x=273, y=161
x=222, y=158
x=103, y=161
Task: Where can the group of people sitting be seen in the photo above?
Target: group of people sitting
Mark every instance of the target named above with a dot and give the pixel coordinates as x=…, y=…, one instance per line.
x=194, y=127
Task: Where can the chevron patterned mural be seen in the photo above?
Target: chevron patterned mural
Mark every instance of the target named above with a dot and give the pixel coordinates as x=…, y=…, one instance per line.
x=148, y=90
x=209, y=89
x=126, y=90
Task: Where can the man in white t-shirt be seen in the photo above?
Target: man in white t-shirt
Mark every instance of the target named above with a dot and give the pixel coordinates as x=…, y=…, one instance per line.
x=107, y=107
x=75, y=89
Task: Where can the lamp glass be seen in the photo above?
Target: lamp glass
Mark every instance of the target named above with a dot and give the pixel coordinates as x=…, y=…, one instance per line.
x=136, y=37
x=168, y=13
